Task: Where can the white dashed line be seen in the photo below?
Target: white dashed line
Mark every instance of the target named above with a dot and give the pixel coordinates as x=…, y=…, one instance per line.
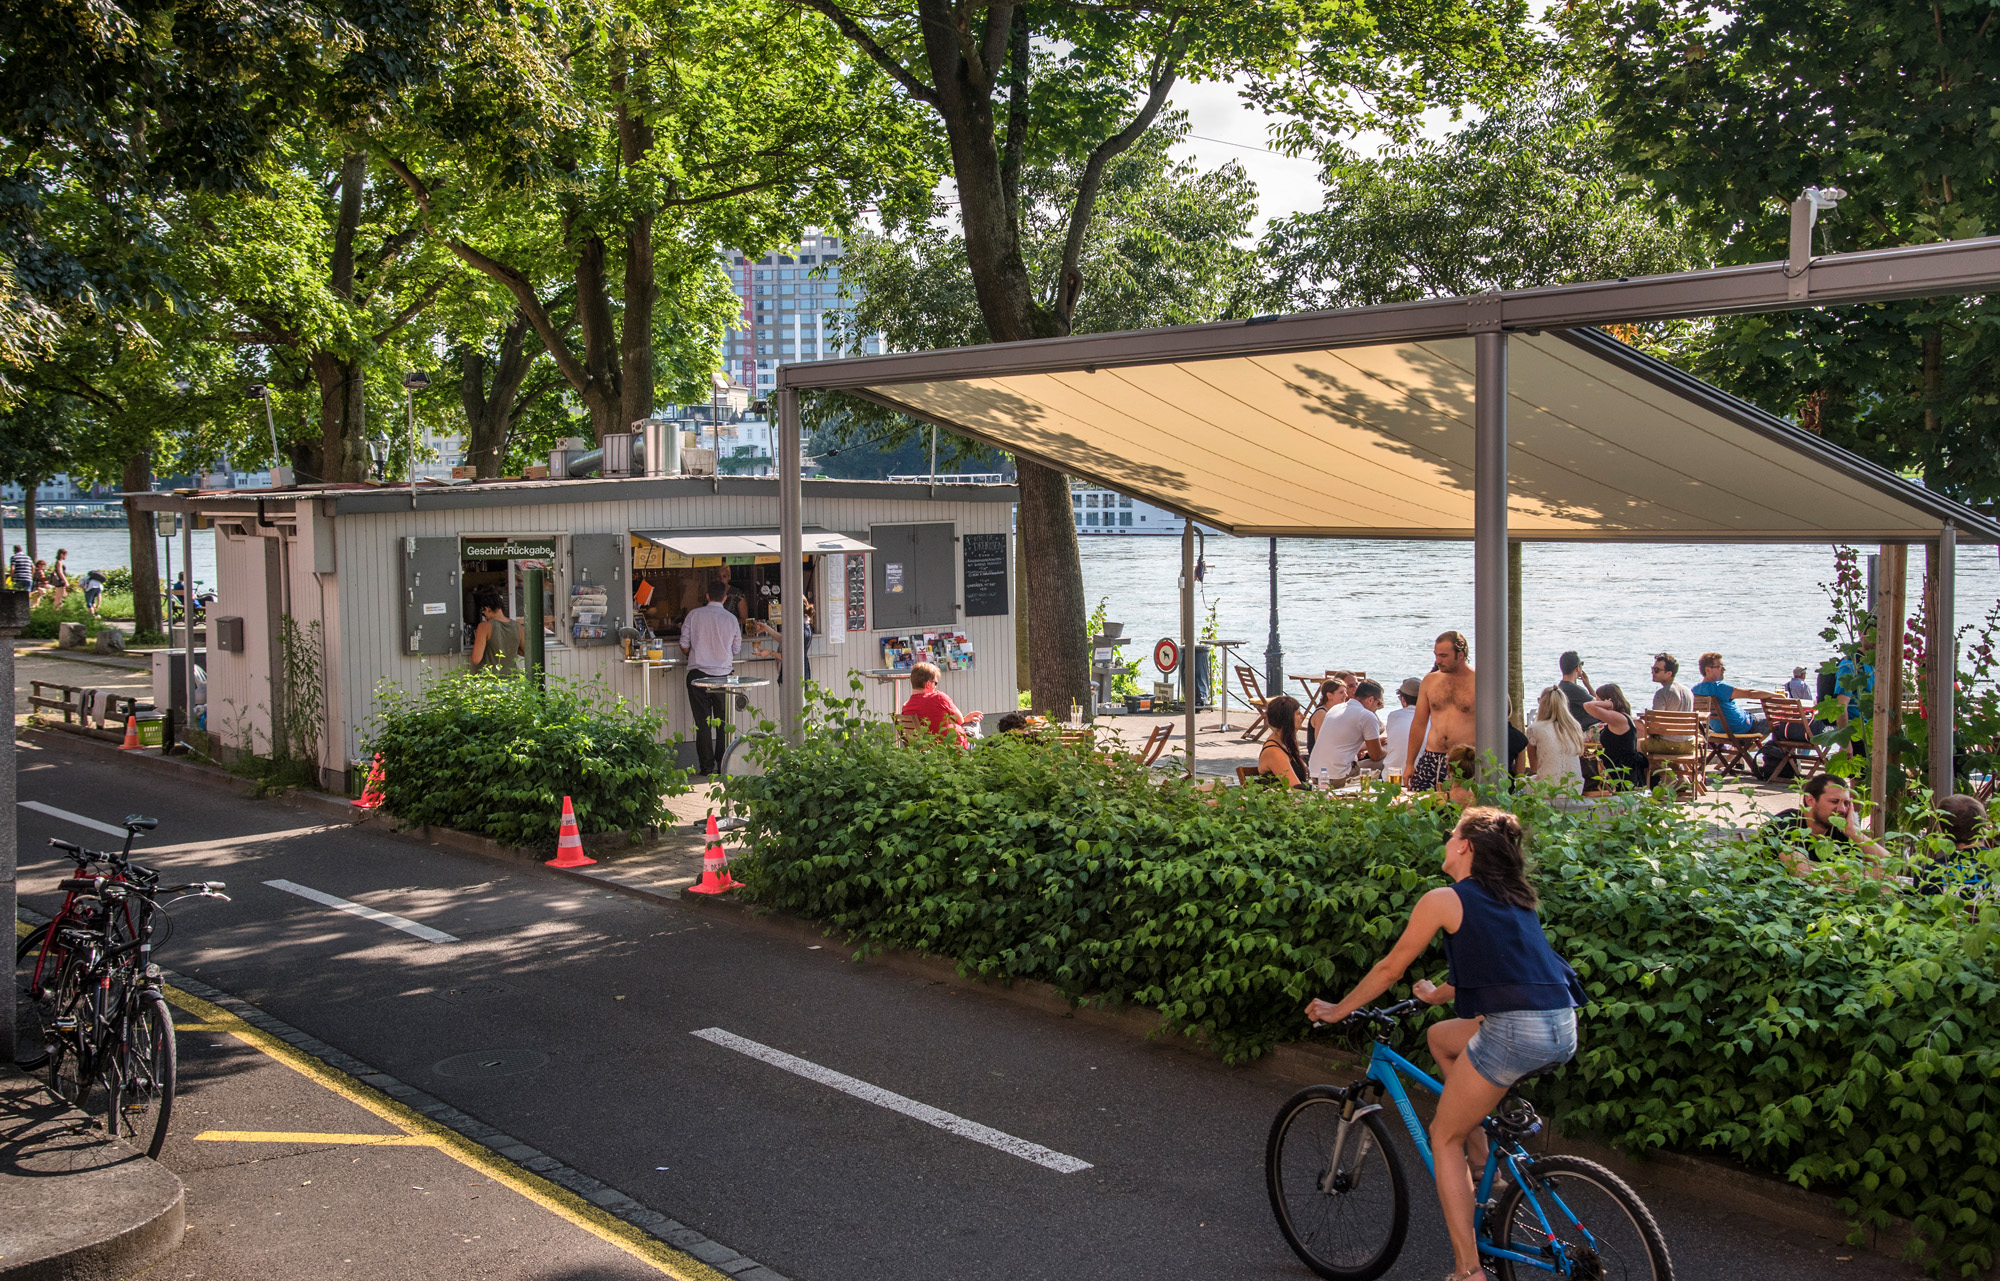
x=68, y=817
x=403, y=923
x=880, y=1097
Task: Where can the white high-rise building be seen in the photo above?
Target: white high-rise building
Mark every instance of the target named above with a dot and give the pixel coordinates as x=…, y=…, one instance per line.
x=792, y=305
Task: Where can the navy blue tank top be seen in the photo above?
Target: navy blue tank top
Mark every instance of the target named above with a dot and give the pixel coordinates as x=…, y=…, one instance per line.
x=1500, y=959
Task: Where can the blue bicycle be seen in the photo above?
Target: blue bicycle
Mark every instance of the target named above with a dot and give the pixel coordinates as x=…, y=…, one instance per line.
x=1338, y=1190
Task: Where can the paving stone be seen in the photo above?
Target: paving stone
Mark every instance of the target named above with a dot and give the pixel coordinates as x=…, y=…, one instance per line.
x=711, y=1251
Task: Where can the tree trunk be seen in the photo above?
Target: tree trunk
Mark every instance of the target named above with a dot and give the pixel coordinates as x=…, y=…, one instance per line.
x=600, y=393
x=343, y=421
x=1059, y=664
x=642, y=292
x=138, y=479
x=28, y=488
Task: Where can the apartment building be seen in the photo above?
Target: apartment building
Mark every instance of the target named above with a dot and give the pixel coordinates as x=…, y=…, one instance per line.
x=792, y=307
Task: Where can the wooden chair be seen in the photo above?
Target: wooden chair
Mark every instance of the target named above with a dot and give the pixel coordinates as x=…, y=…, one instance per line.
x=1253, y=694
x=1244, y=773
x=913, y=730
x=1781, y=712
x=1730, y=752
x=1156, y=743
x=1310, y=684
x=1686, y=767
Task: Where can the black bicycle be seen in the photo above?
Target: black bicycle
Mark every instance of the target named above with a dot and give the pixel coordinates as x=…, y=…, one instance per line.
x=91, y=995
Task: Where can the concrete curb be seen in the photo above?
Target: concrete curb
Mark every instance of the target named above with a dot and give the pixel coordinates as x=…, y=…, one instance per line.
x=1724, y=1184
x=76, y=1204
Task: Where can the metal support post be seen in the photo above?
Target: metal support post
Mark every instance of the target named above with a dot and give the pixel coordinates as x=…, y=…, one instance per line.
x=1274, y=653
x=1942, y=646
x=13, y=618
x=1516, y=697
x=792, y=570
x=532, y=621
x=187, y=617
x=1187, y=635
x=1489, y=554
x=1890, y=609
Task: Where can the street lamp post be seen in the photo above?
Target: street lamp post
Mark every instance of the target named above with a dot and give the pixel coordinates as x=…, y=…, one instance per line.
x=280, y=472
x=1274, y=653
x=413, y=382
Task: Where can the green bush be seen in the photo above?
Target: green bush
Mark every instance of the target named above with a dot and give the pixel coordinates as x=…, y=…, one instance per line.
x=1833, y=1031
x=494, y=755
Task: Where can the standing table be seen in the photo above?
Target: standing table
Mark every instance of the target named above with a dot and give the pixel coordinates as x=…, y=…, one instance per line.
x=1221, y=678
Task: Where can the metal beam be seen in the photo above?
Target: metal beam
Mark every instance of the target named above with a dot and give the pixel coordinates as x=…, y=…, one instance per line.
x=1489, y=555
x=791, y=567
x=1187, y=637
x=1942, y=647
x=1891, y=577
x=1881, y=275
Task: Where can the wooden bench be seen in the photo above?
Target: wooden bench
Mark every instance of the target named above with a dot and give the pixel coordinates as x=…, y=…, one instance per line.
x=112, y=708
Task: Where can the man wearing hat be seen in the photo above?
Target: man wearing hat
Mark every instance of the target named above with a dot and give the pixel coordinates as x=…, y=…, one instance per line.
x=1798, y=688
x=1394, y=760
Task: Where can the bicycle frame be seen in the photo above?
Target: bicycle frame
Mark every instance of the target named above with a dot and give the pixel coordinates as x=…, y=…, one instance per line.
x=1386, y=1070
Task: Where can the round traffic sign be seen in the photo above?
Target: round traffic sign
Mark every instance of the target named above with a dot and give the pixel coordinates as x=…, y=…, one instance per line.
x=1166, y=655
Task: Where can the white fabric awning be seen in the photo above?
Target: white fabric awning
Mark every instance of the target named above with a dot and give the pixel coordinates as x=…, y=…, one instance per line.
x=746, y=542
x=1375, y=440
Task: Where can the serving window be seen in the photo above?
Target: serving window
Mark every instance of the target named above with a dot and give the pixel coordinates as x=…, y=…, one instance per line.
x=671, y=571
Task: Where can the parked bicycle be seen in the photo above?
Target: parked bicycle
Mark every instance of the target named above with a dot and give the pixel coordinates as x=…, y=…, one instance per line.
x=92, y=1010
x=1337, y=1187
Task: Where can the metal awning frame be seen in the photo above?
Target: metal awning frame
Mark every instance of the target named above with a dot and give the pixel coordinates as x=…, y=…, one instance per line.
x=1919, y=271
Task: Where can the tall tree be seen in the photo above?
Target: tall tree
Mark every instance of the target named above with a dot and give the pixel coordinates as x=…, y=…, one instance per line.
x=649, y=135
x=1526, y=195
x=1728, y=111
x=1015, y=83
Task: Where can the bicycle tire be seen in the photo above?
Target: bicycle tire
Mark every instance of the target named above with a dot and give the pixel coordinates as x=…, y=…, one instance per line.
x=144, y=1072
x=78, y=1064
x=1633, y=1249
x=1355, y=1231
x=34, y=1015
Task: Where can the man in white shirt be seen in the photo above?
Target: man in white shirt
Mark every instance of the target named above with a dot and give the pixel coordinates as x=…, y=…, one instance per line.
x=1350, y=732
x=1671, y=696
x=1398, y=729
x=712, y=638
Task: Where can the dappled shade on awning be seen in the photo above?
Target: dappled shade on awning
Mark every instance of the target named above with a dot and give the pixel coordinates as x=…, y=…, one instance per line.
x=1376, y=441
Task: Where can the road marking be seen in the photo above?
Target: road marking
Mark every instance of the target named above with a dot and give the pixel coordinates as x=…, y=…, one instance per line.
x=403, y=923
x=198, y=1027
x=558, y=1200
x=880, y=1097
x=68, y=817
x=301, y=1136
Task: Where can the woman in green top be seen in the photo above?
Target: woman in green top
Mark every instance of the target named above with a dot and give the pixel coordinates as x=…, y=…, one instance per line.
x=497, y=638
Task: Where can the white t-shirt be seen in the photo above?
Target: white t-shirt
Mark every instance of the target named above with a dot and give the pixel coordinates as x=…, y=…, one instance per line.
x=1552, y=759
x=1341, y=736
x=1395, y=759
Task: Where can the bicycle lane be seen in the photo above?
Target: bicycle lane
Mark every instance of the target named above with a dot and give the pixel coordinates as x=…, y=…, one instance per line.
x=816, y=1181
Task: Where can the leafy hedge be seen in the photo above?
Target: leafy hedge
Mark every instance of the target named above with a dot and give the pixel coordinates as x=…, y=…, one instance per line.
x=494, y=755
x=1834, y=1032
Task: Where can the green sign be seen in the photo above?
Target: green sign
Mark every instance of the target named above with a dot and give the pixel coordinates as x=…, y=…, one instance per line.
x=507, y=548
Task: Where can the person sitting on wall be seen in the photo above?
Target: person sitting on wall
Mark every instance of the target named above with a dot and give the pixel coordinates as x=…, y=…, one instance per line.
x=935, y=706
x=1829, y=814
x=498, y=638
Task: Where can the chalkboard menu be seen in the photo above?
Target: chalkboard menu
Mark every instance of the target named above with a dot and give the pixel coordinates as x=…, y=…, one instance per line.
x=857, y=593
x=985, y=574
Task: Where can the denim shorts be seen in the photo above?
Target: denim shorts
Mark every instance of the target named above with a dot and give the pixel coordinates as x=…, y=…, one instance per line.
x=1509, y=1046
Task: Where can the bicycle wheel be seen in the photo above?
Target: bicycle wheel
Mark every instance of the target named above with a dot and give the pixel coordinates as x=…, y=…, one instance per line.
x=77, y=1061
x=1345, y=1220
x=1606, y=1231
x=145, y=1066
x=33, y=1010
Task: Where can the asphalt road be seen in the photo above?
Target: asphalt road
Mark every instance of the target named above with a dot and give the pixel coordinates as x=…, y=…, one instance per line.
x=579, y=1007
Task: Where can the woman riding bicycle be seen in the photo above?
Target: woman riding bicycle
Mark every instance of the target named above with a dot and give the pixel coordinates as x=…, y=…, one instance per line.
x=1516, y=1001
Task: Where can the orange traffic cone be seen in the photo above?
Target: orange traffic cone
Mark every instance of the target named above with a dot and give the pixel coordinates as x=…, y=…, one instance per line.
x=569, y=845
x=371, y=791
x=131, y=743
x=715, y=877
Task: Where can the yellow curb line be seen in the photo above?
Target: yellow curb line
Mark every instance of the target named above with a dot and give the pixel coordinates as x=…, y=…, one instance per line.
x=199, y=1027
x=557, y=1200
x=302, y=1136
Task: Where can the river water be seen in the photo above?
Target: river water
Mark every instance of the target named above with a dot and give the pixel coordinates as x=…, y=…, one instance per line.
x=1378, y=606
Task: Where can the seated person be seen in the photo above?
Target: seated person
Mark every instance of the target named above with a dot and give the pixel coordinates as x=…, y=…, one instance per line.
x=1351, y=734
x=1012, y=723
x=1829, y=814
x=1459, y=765
x=1963, y=819
x=1555, y=741
x=1279, y=758
x=1732, y=719
x=934, y=705
x=1624, y=763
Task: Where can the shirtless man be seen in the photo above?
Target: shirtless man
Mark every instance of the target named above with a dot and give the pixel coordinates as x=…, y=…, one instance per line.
x=1444, y=703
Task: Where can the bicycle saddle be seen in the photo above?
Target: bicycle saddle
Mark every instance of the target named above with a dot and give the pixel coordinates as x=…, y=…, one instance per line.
x=140, y=823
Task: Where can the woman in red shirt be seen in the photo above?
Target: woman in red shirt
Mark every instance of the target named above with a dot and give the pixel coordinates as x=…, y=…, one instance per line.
x=934, y=705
